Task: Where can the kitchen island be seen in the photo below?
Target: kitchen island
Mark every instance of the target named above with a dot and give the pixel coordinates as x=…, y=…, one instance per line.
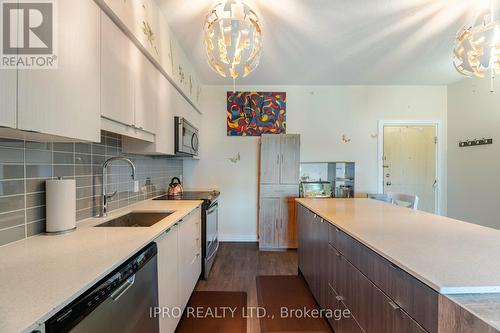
x=416, y=263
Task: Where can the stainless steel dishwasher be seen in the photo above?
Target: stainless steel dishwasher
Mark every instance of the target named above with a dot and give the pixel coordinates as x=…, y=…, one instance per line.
x=121, y=302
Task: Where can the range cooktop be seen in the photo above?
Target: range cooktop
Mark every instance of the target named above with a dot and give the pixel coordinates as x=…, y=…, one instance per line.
x=192, y=195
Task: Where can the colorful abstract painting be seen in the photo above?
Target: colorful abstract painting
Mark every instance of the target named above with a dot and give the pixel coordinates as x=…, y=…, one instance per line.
x=256, y=113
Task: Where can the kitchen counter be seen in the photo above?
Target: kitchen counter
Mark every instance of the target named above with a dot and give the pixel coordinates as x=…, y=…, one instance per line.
x=450, y=256
x=42, y=274
x=455, y=258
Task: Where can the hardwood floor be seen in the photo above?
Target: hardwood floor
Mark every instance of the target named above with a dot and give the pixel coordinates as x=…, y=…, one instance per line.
x=237, y=266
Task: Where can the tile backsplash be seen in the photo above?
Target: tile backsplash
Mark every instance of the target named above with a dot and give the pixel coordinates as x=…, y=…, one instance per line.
x=25, y=166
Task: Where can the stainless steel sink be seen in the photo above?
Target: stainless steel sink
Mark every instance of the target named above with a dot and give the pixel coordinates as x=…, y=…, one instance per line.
x=135, y=219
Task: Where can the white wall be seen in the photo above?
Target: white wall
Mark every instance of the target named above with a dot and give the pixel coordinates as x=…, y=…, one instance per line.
x=321, y=114
x=473, y=173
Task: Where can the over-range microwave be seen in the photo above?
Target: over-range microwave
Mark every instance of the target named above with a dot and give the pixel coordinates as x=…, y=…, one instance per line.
x=186, y=138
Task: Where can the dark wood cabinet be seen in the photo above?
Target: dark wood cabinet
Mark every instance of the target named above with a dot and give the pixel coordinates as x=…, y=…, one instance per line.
x=342, y=273
x=416, y=298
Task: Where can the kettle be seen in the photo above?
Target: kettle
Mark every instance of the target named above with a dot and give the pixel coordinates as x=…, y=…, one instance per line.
x=175, y=188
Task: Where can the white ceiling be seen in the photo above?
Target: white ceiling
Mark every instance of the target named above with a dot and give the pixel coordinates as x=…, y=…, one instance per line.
x=330, y=42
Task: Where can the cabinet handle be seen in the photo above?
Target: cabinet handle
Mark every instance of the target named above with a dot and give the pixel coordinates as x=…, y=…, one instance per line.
x=340, y=298
x=197, y=255
x=337, y=254
x=394, y=306
x=394, y=267
x=282, y=158
x=277, y=159
x=322, y=220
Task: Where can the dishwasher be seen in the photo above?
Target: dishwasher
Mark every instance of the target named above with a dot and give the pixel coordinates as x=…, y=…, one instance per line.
x=120, y=302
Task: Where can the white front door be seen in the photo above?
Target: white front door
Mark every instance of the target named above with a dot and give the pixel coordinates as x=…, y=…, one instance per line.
x=409, y=160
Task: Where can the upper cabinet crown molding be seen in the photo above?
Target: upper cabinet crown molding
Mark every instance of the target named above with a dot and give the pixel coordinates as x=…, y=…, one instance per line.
x=145, y=24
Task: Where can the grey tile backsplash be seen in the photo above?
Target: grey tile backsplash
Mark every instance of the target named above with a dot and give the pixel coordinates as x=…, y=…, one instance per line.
x=25, y=166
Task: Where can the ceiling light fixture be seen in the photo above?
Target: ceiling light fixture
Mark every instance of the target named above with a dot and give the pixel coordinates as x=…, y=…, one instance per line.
x=233, y=39
x=477, y=47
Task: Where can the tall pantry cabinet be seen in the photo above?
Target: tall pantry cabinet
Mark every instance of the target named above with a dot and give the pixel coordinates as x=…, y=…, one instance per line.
x=279, y=186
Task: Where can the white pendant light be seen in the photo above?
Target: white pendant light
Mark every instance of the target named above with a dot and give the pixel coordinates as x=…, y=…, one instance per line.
x=233, y=39
x=477, y=47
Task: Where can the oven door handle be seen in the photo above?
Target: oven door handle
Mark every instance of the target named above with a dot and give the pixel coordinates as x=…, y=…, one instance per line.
x=214, y=252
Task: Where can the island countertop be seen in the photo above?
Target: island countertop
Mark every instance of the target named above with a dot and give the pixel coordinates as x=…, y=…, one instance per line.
x=450, y=256
x=42, y=274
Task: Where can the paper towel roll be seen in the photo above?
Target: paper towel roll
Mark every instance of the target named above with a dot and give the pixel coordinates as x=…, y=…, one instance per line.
x=60, y=205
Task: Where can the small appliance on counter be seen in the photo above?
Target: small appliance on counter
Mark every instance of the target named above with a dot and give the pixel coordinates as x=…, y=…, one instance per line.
x=209, y=224
x=175, y=189
x=316, y=189
x=327, y=180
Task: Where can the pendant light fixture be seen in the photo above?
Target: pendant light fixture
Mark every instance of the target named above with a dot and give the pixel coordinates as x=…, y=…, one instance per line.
x=233, y=39
x=477, y=47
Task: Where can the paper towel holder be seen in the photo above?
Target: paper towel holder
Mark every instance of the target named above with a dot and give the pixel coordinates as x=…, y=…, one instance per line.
x=60, y=193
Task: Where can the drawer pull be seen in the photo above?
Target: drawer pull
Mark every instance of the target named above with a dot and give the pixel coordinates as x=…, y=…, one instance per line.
x=394, y=306
x=337, y=254
x=339, y=298
x=394, y=267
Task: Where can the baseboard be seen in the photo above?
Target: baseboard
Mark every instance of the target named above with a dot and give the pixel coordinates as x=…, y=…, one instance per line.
x=237, y=238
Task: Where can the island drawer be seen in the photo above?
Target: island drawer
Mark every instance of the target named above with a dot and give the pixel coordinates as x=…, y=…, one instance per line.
x=416, y=298
x=373, y=310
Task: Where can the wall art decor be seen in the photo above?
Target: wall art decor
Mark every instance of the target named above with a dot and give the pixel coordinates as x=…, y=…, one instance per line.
x=256, y=113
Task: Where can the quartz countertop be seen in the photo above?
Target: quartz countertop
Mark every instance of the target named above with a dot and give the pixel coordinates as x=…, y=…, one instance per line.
x=450, y=256
x=42, y=274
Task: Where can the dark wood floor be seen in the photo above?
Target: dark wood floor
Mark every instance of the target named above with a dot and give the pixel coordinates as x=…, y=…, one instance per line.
x=238, y=264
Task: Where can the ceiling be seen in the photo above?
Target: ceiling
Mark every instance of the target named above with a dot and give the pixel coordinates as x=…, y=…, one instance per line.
x=338, y=42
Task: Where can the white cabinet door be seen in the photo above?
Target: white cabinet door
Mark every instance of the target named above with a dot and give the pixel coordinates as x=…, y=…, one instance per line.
x=117, y=80
x=189, y=254
x=168, y=279
x=165, y=124
x=147, y=78
x=8, y=98
x=65, y=101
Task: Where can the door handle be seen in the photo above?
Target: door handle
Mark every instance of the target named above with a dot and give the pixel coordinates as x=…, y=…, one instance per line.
x=394, y=306
x=123, y=289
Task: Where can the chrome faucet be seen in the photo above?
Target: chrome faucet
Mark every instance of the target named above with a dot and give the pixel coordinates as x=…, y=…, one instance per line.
x=105, y=197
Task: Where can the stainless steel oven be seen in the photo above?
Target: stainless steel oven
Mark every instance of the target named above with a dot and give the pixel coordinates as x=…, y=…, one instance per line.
x=186, y=138
x=212, y=238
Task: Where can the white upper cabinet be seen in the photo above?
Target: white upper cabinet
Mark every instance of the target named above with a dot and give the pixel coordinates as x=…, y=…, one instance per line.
x=65, y=101
x=165, y=132
x=129, y=85
x=146, y=94
x=8, y=98
x=146, y=23
x=118, y=54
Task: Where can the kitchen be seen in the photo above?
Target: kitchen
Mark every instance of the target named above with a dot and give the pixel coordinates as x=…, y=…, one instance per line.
x=137, y=183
